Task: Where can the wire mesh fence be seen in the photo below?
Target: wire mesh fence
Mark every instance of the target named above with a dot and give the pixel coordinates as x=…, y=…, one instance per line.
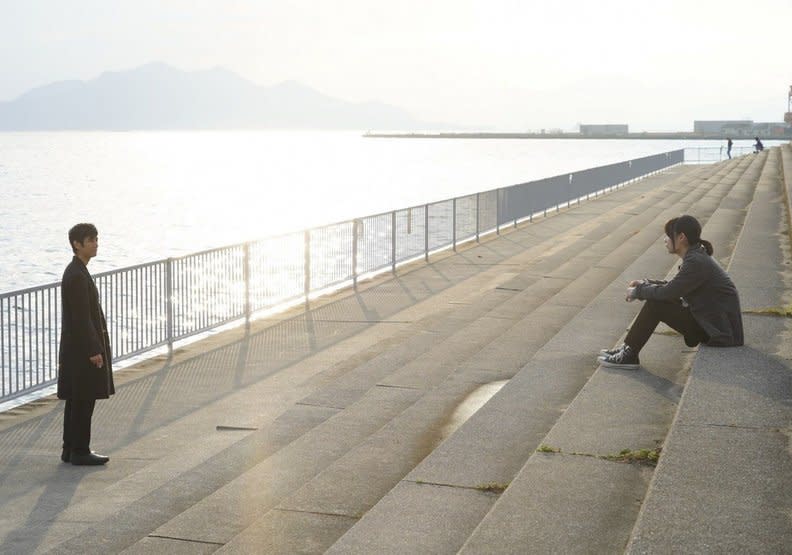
x=155, y=304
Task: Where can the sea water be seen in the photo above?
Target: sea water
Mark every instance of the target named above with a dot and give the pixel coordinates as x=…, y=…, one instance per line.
x=158, y=194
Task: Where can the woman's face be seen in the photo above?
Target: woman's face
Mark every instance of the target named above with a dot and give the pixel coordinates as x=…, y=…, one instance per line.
x=673, y=246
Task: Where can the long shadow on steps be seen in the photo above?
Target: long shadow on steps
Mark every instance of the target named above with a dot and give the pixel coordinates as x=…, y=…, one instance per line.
x=724, y=481
x=610, y=414
x=442, y=518
x=181, y=526
x=277, y=348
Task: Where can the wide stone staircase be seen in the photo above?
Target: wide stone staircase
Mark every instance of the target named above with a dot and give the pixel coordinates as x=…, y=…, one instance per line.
x=455, y=407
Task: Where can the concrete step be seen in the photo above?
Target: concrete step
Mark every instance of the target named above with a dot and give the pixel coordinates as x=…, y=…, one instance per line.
x=351, y=485
x=786, y=170
x=616, y=410
x=210, y=506
x=724, y=481
x=137, y=477
x=166, y=437
x=423, y=512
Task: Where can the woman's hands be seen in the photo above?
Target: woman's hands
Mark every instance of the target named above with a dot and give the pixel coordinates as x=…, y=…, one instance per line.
x=632, y=288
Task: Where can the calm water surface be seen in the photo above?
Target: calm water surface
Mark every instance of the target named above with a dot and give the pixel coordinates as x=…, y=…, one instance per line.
x=159, y=194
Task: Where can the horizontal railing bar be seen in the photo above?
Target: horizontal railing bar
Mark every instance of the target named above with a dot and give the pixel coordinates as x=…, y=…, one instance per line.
x=34, y=289
x=155, y=304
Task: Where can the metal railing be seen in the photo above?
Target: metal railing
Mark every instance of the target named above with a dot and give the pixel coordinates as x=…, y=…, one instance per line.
x=155, y=304
x=712, y=154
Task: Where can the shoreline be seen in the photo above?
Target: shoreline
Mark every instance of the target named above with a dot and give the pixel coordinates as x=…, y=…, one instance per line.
x=645, y=136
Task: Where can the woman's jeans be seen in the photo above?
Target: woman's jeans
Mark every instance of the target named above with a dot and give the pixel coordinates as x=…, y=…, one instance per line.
x=673, y=314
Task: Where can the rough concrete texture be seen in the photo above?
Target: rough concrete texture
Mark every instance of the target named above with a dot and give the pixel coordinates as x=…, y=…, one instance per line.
x=492, y=444
x=534, y=518
x=616, y=410
x=241, y=441
x=428, y=525
x=289, y=533
x=724, y=480
x=720, y=489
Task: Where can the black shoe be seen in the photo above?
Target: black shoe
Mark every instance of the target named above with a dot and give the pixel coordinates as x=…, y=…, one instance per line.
x=608, y=352
x=88, y=459
x=66, y=454
x=625, y=359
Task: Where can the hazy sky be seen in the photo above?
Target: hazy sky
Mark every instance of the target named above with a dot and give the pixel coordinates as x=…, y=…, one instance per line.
x=507, y=64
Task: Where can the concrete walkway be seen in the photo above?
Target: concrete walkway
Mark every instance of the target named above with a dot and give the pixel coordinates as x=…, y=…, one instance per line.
x=343, y=427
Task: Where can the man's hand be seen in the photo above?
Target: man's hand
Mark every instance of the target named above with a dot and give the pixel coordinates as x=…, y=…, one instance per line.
x=97, y=360
x=635, y=282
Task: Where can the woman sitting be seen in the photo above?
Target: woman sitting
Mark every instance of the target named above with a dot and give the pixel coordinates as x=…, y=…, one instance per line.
x=701, y=302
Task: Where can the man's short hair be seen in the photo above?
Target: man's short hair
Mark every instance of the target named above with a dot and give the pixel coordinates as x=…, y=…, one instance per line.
x=81, y=232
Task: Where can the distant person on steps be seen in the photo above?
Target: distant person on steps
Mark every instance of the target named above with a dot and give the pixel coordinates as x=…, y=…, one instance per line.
x=758, y=146
x=84, y=359
x=728, y=147
x=700, y=302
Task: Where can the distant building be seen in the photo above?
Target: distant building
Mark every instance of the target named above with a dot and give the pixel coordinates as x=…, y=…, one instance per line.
x=772, y=129
x=717, y=127
x=606, y=129
x=742, y=128
x=738, y=129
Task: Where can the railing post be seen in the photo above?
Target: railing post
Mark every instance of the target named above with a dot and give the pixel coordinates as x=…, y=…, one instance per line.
x=169, y=303
x=453, y=224
x=246, y=277
x=497, y=211
x=354, y=251
x=426, y=233
x=478, y=213
x=307, y=263
x=393, y=241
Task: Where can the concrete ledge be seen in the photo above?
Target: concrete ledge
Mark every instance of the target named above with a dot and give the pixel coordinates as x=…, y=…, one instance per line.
x=535, y=519
x=724, y=481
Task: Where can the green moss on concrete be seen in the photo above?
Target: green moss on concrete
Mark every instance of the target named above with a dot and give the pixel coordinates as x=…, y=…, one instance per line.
x=492, y=487
x=782, y=311
x=647, y=457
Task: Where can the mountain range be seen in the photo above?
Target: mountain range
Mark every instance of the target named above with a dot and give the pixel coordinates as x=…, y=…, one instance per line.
x=159, y=96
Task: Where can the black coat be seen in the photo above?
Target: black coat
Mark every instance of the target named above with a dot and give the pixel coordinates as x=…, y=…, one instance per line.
x=709, y=292
x=83, y=335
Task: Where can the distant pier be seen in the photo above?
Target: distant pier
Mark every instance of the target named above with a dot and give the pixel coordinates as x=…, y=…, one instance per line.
x=674, y=135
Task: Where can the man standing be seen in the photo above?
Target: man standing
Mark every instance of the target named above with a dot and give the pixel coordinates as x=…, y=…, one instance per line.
x=84, y=360
x=728, y=147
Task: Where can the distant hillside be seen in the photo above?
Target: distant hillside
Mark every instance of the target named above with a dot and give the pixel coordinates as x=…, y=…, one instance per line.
x=158, y=96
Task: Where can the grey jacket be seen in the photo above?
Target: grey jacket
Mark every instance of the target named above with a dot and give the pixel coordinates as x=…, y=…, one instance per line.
x=708, y=291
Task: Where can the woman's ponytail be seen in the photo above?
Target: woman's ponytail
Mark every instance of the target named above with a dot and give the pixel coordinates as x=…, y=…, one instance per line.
x=691, y=227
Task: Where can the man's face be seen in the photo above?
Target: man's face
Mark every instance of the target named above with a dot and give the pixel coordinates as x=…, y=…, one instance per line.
x=87, y=249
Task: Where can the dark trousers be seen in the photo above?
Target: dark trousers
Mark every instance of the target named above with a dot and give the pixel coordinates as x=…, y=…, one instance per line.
x=674, y=315
x=77, y=424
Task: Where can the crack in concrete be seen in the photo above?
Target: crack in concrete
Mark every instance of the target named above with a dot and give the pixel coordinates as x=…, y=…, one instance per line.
x=222, y=428
x=364, y=321
x=318, y=405
x=734, y=426
x=485, y=264
x=184, y=539
x=356, y=516
x=399, y=387
x=441, y=485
